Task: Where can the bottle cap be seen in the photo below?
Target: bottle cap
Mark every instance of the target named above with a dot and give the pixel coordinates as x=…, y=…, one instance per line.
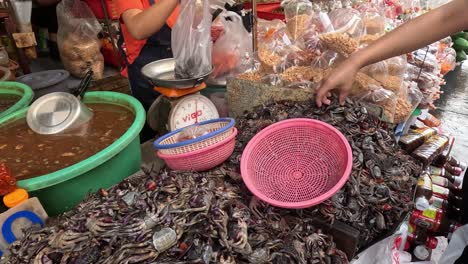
x=458, y=181
x=463, y=165
x=421, y=203
x=16, y=197
x=432, y=242
x=421, y=252
x=457, y=171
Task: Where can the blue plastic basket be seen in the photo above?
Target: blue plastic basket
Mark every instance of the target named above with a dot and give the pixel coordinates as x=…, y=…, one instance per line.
x=218, y=130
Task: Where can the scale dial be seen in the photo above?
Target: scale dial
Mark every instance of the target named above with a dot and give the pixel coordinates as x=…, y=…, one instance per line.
x=191, y=109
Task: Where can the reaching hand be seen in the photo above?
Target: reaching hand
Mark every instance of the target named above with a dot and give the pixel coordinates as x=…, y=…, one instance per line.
x=341, y=79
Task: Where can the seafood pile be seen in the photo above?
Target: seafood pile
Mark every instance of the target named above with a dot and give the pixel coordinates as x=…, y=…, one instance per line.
x=378, y=194
x=210, y=217
x=198, y=218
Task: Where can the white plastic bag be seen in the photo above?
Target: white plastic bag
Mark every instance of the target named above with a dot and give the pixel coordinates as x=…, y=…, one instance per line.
x=233, y=49
x=191, y=39
x=456, y=246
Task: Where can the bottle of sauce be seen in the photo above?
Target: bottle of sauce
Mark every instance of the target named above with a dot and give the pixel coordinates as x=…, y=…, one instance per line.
x=419, y=236
x=454, y=162
x=446, y=194
x=440, y=160
x=436, y=171
x=457, y=171
x=423, y=192
x=430, y=120
x=421, y=253
x=444, y=182
x=439, y=203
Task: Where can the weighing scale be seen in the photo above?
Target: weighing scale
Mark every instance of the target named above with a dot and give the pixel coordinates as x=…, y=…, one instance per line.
x=180, y=103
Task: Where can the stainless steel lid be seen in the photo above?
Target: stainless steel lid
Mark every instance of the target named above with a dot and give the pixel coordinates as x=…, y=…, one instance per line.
x=56, y=112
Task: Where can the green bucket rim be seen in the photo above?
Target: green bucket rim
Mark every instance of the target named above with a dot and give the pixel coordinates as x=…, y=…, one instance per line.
x=20, y=89
x=65, y=174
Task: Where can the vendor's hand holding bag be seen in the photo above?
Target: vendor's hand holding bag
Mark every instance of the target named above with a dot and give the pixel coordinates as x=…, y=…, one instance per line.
x=191, y=40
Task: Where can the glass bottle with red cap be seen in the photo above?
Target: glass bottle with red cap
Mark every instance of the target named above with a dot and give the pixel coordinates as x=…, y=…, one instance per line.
x=423, y=191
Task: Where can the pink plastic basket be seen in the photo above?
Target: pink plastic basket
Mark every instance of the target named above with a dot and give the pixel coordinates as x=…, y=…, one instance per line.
x=297, y=163
x=202, y=159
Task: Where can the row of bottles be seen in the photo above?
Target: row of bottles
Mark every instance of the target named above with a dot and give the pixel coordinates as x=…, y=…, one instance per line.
x=438, y=201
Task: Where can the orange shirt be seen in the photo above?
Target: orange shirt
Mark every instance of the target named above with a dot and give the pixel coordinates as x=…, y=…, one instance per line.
x=133, y=46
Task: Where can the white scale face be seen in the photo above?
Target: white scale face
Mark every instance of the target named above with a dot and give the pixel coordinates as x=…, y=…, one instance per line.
x=191, y=109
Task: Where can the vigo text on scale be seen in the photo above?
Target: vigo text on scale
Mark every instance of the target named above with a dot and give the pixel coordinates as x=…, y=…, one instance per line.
x=180, y=103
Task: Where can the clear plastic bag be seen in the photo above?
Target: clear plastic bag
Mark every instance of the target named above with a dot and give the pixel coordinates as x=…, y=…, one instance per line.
x=192, y=132
x=347, y=21
x=408, y=99
x=266, y=29
x=77, y=39
x=298, y=15
x=191, y=39
x=447, y=60
x=232, y=49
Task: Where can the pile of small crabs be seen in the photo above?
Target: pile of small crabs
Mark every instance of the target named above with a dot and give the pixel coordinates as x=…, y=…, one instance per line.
x=210, y=217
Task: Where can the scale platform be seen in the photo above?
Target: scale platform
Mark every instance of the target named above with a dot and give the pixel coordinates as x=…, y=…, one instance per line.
x=176, y=93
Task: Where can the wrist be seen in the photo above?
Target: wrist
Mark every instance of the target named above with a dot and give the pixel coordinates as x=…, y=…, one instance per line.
x=358, y=59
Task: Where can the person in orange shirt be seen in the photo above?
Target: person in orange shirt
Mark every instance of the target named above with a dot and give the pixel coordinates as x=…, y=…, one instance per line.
x=145, y=37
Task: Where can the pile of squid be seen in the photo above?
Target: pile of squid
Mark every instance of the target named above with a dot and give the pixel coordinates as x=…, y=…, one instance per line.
x=210, y=217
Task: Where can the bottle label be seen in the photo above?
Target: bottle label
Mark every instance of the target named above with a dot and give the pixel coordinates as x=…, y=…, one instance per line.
x=424, y=182
x=438, y=180
x=438, y=202
x=436, y=171
x=430, y=213
x=440, y=191
x=424, y=223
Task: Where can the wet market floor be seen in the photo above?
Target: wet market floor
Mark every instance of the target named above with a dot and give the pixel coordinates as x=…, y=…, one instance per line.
x=453, y=110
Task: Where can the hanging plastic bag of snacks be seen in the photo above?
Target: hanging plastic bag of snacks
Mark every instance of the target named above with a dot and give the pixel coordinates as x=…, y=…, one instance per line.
x=408, y=100
x=77, y=38
x=298, y=16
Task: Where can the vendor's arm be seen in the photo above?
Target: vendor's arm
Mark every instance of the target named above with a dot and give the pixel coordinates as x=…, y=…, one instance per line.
x=143, y=23
x=417, y=33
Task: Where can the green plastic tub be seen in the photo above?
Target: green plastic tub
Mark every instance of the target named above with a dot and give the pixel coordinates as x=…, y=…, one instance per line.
x=60, y=191
x=19, y=89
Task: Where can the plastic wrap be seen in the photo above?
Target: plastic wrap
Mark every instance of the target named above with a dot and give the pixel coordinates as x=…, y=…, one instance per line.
x=299, y=15
x=266, y=29
x=191, y=39
x=427, y=152
x=347, y=21
x=425, y=60
x=233, y=49
x=77, y=39
x=447, y=59
x=192, y=132
x=408, y=100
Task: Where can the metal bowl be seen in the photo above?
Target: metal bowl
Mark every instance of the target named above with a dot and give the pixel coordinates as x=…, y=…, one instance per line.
x=161, y=73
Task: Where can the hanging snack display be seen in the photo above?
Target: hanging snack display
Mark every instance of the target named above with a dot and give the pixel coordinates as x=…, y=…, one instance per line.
x=317, y=36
